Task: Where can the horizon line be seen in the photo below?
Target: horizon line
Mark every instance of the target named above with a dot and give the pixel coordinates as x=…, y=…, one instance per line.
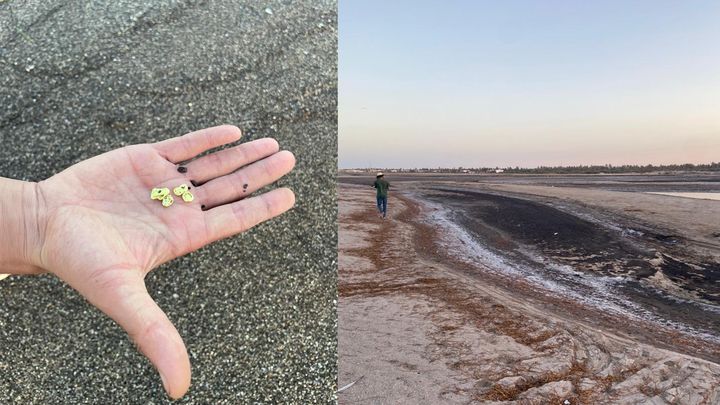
x=608, y=165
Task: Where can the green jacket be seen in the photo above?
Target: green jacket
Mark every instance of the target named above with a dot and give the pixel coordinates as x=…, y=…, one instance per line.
x=382, y=187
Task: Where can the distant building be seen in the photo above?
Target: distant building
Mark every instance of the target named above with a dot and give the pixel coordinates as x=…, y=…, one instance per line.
x=499, y=170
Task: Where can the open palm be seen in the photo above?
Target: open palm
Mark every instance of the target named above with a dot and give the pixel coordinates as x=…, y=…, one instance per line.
x=103, y=233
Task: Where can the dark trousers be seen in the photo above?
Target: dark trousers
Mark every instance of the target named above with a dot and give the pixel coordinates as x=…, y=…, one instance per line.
x=382, y=204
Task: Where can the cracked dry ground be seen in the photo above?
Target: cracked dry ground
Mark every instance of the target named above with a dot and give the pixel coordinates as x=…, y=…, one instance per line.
x=413, y=330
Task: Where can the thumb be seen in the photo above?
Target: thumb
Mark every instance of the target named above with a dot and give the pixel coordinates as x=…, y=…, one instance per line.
x=124, y=297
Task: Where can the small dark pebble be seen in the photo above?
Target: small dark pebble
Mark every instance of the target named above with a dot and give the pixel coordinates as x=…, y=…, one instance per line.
x=182, y=169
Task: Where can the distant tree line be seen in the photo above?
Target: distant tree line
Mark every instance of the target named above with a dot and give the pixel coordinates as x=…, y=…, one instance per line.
x=598, y=169
x=582, y=169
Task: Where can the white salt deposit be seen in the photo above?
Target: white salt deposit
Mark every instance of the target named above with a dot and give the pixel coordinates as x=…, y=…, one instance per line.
x=699, y=196
x=598, y=291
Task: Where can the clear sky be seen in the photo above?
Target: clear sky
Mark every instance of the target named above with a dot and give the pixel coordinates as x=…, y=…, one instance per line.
x=528, y=83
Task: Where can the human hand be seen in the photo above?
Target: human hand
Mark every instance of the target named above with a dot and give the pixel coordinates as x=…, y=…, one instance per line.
x=98, y=230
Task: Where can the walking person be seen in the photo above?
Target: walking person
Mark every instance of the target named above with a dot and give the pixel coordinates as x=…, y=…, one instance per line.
x=382, y=186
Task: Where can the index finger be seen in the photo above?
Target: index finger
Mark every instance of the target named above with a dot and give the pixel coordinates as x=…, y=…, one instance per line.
x=192, y=144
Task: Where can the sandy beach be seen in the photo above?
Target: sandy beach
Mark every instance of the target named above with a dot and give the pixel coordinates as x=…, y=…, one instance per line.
x=256, y=311
x=527, y=292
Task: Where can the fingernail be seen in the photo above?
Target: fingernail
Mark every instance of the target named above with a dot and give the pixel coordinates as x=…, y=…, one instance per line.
x=164, y=382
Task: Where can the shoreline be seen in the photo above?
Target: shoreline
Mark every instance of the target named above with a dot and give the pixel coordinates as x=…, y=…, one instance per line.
x=576, y=290
x=545, y=355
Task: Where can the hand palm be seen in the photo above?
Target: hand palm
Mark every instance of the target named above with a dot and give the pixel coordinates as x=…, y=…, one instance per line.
x=103, y=233
x=111, y=193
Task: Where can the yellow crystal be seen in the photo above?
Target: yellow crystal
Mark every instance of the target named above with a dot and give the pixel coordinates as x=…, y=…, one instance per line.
x=187, y=196
x=167, y=201
x=159, y=193
x=181, y=189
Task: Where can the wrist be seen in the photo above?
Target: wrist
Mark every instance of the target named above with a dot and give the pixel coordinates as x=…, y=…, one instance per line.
x=20, y=227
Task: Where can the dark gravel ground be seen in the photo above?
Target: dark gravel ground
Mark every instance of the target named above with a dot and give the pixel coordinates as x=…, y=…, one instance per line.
x=257, y=311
